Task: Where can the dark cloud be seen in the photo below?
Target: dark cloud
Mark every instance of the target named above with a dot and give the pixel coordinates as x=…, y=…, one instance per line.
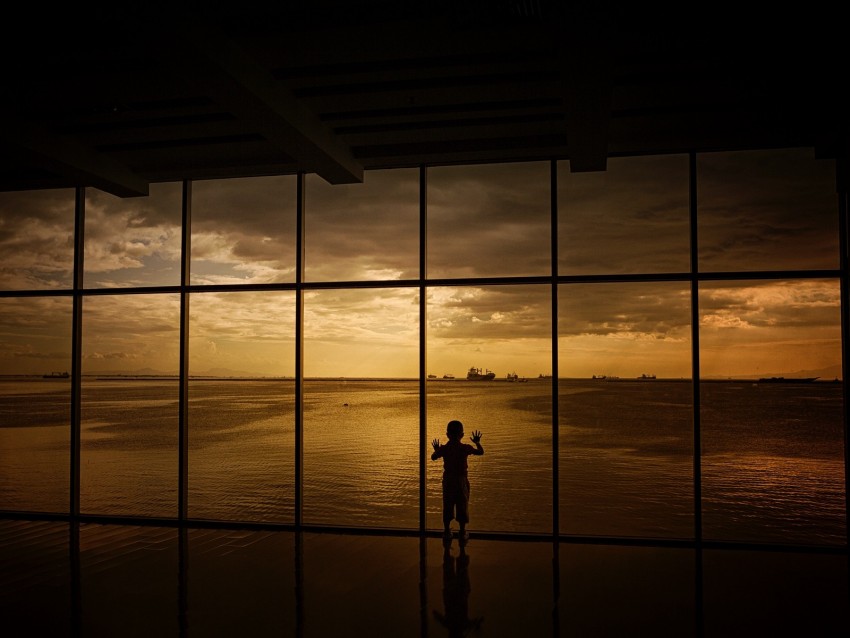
x=47, y=206
x=631, y=218
x=359, y=231
x=363, y=231
x=767, y=210
x=37, y=239
x=490, y=312
x=489, y=220
x=262, y=206
x=161, y=208
x=653, y=309
x=136, y=240
x=658, y=310
x=772, y=304
x=34, y=331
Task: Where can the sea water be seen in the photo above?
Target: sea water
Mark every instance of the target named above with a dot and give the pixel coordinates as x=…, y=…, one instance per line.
x=771, y=466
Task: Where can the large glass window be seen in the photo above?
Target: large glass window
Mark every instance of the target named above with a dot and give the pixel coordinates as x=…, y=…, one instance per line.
x=242, y=406
x=361, y=408
x=36, y=239
x=605, y=427
x=630, y=218
x=489, y=220
x=490, y=346
x=133, y=242
x=363, y=231
x=243, y=230
x=129, y=428
x=625, y=410
x=771, y=411
x=766, y=210
x=35, y=395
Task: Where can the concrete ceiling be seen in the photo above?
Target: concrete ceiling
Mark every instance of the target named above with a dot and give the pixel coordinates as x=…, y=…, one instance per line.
x=119, y=100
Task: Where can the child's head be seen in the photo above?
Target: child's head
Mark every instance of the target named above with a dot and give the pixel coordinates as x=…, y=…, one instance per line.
x=454, y=430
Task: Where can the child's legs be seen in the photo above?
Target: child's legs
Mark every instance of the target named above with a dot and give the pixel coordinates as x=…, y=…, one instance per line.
x=448, y=504
x=462, y=504
x=448, y=515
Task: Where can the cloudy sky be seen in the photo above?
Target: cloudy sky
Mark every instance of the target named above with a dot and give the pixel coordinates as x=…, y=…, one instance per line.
x=757, y=211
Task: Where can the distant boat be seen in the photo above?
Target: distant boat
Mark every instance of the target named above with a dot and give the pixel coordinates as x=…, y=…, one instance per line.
x=475, y=374
x=448, y=376
x=56, y=375
x=789, y=380
x=647, y=377
x=512, y=376
x=599, y=377
x=432, y=376
x=544, y=376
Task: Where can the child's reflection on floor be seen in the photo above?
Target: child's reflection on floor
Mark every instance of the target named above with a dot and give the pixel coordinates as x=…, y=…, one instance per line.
x=456, y=588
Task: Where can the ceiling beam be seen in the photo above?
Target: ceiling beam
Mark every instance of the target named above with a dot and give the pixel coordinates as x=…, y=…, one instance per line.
x=584, y=43
x=71, y=161
x=234, y=80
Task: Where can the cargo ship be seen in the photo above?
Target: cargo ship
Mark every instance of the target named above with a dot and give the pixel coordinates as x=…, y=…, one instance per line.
x=475, y=374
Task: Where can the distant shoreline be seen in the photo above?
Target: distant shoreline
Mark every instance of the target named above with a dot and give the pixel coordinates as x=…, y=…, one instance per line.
x=157, y=377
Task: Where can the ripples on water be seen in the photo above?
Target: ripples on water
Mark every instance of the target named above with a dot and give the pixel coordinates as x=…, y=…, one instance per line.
x=772, y=464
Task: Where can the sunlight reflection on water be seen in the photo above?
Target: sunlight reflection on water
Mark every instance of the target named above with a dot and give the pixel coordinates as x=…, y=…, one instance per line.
x=772, y=462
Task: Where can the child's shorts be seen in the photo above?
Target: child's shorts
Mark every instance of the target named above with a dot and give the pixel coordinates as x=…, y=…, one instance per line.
x=455, y=499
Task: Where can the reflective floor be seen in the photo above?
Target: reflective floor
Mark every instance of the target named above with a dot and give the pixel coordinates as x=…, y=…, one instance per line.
x=117, y=580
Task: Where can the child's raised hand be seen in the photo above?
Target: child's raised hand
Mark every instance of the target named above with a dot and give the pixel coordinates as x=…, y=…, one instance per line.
x=476, y=436
x=435, y=444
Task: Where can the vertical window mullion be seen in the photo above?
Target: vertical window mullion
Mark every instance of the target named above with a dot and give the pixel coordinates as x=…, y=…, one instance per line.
x=183, y=391
x=692, y=204
x=553, y=232
x=76, y=349
x=423, y=347
x=842, y=183
x=695, y=384
x=299, y=350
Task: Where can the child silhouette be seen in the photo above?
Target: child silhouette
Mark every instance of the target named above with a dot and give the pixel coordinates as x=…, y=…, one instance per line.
x=455, y=479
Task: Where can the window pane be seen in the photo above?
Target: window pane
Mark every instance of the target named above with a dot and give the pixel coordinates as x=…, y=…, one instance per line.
x=35, y=404
x=243, y=230
x=133, y=241
x=242, y=406
x=363, y=231
x=625, y=410
x=766, y=210
x=361, y=408
x=129, y=429
x=772, y=451
x=37, y=239
x=631, y=218
x=489, y=220
x=505, y=330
